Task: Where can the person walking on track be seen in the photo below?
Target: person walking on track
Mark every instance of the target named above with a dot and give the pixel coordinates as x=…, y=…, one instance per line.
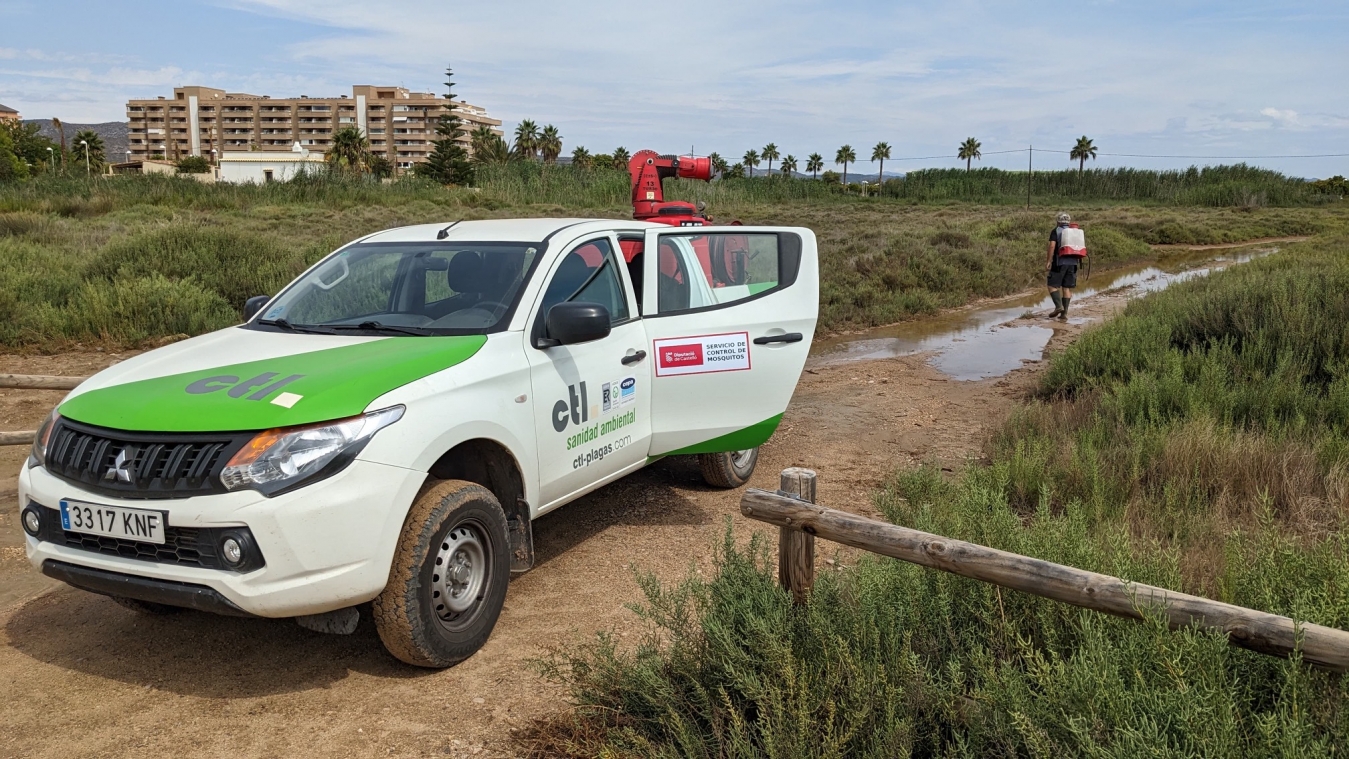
x=1067, y=249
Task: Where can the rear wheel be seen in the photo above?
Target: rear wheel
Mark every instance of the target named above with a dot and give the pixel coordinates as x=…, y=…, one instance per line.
x=728, y=470
x=144, y=607
x=449, y=576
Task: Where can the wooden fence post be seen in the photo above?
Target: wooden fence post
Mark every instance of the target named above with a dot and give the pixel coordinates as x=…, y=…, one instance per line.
x=796, y=549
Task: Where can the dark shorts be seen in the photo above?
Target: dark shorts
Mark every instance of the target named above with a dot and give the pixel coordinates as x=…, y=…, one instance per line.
x=1063, y=275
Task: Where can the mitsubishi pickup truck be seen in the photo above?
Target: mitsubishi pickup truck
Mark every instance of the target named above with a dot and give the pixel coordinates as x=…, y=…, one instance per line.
x=385, y=429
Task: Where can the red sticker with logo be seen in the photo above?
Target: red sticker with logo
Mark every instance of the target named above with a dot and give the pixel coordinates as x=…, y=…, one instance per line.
x=689, y=354
x=703, y=354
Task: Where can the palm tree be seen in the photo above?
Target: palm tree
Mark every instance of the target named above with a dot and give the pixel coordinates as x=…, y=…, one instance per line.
x=750, y=160
x=718, y=163
x=1081, y=152
x=880, y=153
x=621, y=157
x=61, y=129
x=550, y=144
x=969, y=149
x=381, y=167
x=845, y=156
x=580, y=157
x=349, y=150
x=490, y=147
x=527, y=139
x=735, y=172
x=770, y=154
x=91, y=149
x=788, y=165
x=814, y=162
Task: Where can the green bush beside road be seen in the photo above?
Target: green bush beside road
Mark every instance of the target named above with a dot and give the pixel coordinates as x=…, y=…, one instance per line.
x=1195, y=443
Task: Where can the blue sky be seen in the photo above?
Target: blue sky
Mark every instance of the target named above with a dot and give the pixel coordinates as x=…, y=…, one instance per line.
x=1189, y=78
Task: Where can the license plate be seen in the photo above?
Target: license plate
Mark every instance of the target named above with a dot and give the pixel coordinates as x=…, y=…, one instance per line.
x=113, y=521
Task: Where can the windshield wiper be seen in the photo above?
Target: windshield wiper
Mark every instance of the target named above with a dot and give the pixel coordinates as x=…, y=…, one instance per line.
x=374, y=326
x=287, y=326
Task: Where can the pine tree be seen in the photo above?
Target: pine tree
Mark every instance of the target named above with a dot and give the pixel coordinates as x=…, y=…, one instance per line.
x=448, y=162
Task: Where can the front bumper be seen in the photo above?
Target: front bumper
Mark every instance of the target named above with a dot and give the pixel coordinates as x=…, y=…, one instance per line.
x=326, y=546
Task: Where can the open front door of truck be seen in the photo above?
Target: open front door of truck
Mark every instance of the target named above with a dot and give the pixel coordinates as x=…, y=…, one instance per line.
x=729, y=315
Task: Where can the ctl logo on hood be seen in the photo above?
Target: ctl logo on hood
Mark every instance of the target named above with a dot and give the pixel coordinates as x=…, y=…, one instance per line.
x=261, y=385
x=579, y=410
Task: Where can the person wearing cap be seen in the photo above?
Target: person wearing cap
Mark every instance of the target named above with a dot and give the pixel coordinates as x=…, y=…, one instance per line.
x=1062, y=271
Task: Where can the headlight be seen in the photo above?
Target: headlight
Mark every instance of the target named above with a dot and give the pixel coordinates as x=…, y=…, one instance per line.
x=278, y=460
x=43, y=437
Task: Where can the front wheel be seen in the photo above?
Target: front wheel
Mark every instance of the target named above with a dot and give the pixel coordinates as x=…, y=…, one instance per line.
x=728, y=470
x=449, y=576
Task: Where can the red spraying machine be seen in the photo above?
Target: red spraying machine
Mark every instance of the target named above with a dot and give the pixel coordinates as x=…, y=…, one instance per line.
x=648, y=169
x=723, y=257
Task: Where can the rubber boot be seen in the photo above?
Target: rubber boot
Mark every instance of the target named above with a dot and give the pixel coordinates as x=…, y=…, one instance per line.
x=1058, y=303
x=1067, y=301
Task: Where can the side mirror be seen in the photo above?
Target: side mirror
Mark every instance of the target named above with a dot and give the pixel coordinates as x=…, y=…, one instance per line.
x=253, y=305
x=571, y=323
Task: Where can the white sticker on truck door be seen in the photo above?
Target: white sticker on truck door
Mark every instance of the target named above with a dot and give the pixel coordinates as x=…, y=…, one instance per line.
x=702, y=354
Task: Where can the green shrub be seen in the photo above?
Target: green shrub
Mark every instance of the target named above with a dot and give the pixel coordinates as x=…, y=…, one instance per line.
x=233, y=265
x=131, y=311
x=193, y=164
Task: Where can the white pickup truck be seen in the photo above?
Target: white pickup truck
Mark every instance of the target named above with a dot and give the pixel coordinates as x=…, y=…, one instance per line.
x=387, y=426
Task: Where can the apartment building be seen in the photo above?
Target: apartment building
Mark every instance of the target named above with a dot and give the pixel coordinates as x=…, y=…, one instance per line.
x=201, y=121
x=9, y=114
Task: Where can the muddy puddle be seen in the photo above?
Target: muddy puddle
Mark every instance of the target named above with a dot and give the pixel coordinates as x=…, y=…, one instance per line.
x=992, y=340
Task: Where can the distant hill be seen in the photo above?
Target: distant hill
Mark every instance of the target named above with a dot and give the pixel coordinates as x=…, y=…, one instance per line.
x=114, y=134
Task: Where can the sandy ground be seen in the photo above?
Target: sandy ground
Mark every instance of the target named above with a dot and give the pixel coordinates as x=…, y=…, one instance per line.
x=81, y=676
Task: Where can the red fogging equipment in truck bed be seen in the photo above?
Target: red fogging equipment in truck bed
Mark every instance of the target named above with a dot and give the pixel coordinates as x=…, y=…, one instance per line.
x=723, y=258
x=647, y=169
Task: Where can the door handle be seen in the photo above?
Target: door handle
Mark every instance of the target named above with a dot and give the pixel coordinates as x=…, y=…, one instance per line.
x=790, y=337
x=634, y=358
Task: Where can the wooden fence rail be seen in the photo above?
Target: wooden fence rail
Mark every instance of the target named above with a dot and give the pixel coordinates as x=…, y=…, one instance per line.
x=39, y=382
x=32, y=382
x=1270, y=634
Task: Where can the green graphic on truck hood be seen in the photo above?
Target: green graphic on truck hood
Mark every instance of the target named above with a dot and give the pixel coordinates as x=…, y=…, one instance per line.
x=277, y=392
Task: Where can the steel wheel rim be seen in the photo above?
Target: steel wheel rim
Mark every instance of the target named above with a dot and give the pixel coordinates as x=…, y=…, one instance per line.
x=459, y=576
x=741, y=459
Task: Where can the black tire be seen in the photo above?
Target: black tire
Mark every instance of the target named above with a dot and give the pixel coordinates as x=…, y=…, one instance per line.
x=145, y=607
x=728, y=470
x=452, y=525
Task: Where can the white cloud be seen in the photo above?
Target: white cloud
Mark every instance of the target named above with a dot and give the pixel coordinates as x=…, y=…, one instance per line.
x=1286, y=117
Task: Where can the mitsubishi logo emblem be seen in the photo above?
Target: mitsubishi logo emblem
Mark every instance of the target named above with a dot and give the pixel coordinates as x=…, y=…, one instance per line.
x=119, y=470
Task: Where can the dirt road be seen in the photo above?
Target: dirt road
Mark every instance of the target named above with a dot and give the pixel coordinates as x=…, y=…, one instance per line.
x=84, y=677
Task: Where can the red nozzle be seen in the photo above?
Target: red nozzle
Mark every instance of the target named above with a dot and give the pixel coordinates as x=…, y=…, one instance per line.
x=695, y=168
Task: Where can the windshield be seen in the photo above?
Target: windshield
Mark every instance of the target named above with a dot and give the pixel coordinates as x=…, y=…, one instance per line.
x=408, y=288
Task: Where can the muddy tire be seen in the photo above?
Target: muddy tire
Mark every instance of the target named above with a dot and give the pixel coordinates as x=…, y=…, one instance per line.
x=449, y=576
x=144, y=607
x=728, y=470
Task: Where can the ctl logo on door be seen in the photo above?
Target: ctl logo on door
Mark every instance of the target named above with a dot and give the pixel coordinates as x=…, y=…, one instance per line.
x=579, y=411
x=681, y=355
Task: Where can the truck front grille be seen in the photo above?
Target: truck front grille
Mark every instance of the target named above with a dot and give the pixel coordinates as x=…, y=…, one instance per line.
x=140, y=465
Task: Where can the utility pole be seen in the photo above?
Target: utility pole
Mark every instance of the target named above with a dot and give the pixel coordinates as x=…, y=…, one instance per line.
x=1030, y=171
